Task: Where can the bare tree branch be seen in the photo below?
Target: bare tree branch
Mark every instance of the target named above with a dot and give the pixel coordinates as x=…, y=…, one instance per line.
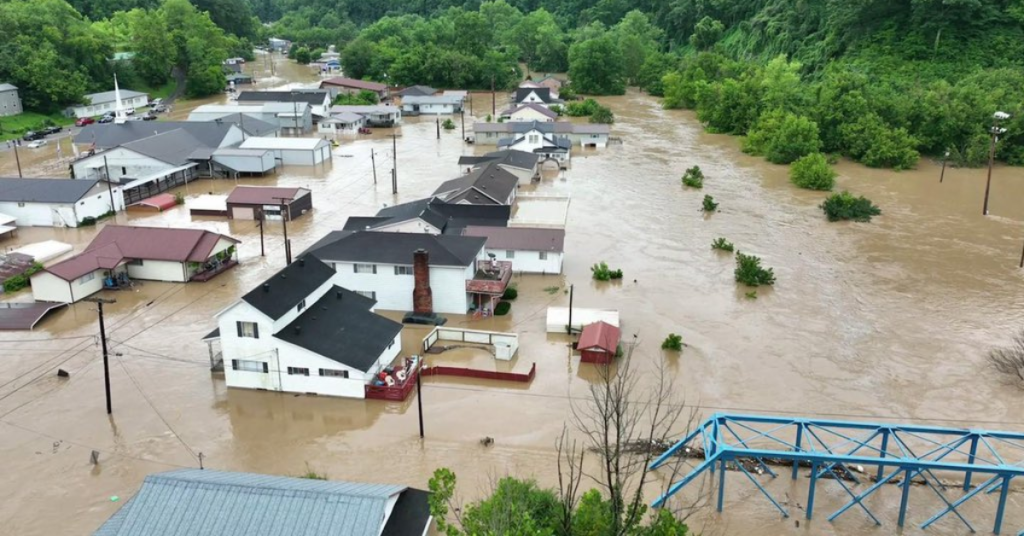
x=1009, y=360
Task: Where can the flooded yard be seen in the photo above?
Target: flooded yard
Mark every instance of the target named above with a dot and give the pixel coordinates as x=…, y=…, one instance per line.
x=884, y=321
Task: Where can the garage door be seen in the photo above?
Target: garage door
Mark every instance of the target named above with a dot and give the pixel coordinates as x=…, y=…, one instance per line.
x=242, y=213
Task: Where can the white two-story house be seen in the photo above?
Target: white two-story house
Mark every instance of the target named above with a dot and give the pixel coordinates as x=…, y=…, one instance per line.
x=301, y=332
x=379, y=265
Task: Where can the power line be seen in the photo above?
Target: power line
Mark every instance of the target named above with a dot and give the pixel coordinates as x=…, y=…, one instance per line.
x=11, y=341
x=158, y=414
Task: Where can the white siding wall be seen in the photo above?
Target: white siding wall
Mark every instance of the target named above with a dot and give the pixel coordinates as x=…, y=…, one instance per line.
x=48, y=287
x=411, y=226
x=529, y=114
x=394, y=292
x=259, y=349
x=530, y=261
x=300, y=157
x=100, y=109
x=232, y=138
x=248, y=164
x=525, y=175
x=96, y=203
x=158, y=271
x=122, y=163
x=601, y=140
x=37, y=214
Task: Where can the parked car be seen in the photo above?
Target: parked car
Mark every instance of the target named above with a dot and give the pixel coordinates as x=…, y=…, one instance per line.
x=150, y=116
x=156, y=102
x=82, y=121
x=158, y=109
x=37, y=144
x=106, y=119
x=129, y=111
x=32, y=135
x=51, y=130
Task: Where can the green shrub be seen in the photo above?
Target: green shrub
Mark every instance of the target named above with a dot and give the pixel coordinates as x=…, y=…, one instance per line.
x=179, y=198
x=552, y=290
x=782, y=137
x=813, y=173
x=511, y=292
x=616, y=274
x=694, y=177
x=87, y=221
x=311, y=474
x=844, y=206
x=722, y=244
x=582, y=108
x=448, y=124
x=750, y=272
x=33, y=269
x=15, y=283
x=601, y=272
x=672, y=342
x=602, y=115
x=502, y=308
x=709, y=204
x=752, y=295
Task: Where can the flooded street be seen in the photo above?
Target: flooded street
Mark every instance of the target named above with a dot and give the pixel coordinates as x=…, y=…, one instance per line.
x=886, y=321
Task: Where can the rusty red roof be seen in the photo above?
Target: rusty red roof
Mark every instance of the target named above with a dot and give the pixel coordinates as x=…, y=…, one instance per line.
x=118, y=243
x=599, y=335
x=352, y=82
x=160, y=202
x=24, y=315
x=262, y=195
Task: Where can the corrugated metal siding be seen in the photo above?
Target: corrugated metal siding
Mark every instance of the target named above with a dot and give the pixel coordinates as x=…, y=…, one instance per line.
x=212, y=502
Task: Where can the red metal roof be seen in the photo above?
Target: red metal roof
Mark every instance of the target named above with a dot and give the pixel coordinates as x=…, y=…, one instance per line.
x=117, y=243
x=352, y=82
x=160, y=202
x=24, y=315
x=599, y=335
x=261, y=195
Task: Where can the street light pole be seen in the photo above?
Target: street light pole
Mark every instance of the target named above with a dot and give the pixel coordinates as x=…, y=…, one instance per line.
x=996, y=130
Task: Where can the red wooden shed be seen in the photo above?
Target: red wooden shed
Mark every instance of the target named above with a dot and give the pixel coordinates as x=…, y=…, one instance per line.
x=598, y=343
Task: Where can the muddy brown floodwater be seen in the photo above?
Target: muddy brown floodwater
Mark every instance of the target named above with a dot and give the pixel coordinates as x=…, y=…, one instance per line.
x=888, y=320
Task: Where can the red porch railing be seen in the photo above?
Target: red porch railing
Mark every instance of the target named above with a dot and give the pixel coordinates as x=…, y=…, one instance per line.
x=490, y=280
x=482, y=374
x=398, y=392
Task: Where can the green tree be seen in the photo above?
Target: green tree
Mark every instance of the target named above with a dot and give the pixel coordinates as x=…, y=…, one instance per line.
x=303, y=56
x=205, y=80
x=152, y=45
x=870, y=141
x=596, y=67
x=813, y=173
x=782, y=137
x=706, y=33
x=602, y=114
x=844, y=206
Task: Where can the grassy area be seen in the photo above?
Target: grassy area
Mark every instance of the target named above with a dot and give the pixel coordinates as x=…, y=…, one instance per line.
x=14, y=126
x=158, y=92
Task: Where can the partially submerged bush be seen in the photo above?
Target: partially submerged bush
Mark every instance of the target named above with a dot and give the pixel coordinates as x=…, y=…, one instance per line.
x=813, y=173
x=694, y=177
x=601, y=272
x=511, y=292
x=750, y=272
x=502, y=308
x=672, y=342
x=722, y=244
x=448, y=124
x=709, y=204
x=844, y=206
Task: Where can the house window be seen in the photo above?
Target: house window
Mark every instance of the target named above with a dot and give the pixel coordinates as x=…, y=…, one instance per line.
x=403, y=270
x=302, y=305
x=245, y=365
x=86, y=278
x=367, y=294
x=534, y=138
x=365, y=268
x=135, y=262
x=21, y=203
x=509, y=254
x=248, y=330
x=298, y=371
x=124, y=170
x=333, y=373
x=543, y=255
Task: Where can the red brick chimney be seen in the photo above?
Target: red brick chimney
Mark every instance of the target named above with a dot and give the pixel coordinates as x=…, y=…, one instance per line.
x=422, y=298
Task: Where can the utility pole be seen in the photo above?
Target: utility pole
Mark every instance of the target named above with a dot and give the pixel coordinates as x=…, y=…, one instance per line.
x=494, y=109
x=438, y=124
x=996, y=130
x=1022, y=258
x=373, y=162
x=103, y=341
x=17, y=159
x=462, y=119
x=569, y=327
x=263, y=252
x=110, y=190
x=419, y=395
x=394, y=163
x=284, y=220
x=942, y=174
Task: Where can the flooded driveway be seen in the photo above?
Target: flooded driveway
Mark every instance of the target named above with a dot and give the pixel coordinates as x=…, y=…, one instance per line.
x=885, y=321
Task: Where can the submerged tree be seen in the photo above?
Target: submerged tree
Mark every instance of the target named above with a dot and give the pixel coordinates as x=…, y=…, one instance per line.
x=1009, y=360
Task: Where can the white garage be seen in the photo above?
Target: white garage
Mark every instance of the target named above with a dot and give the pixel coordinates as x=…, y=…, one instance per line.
x=292, y=151
x=58, y=202
x=258, y=161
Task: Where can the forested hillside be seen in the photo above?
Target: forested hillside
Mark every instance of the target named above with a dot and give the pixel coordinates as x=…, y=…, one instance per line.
x=881, y=81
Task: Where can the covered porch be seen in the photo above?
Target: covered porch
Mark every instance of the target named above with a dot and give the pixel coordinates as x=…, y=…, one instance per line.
x=135, y=190
x=489, y=284
x=217, y=264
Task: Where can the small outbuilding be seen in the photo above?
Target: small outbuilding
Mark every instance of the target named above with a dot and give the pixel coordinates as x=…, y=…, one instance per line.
x=293, y=151
x=599, y=343
x=252, y=202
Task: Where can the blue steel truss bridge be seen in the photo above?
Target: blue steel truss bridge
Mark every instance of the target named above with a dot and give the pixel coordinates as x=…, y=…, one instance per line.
x=906, y=456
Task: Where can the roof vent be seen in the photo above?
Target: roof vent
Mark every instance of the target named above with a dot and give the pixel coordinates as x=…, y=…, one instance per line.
x=298, y=330
x=339, y=295
x=266, y=287
x=302, y=262
x=284, y=276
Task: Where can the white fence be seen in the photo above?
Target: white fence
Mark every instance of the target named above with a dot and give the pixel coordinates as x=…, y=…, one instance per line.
x=505, y=344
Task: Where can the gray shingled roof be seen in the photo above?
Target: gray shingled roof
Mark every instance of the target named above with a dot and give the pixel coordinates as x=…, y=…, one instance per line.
x=485, y=185
x=395, y=248
x=340, y=326
x=108, y=135
x=108, y=96
x=45, y=190
x=508, y=157
x=193, y=501
x=175, y=147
